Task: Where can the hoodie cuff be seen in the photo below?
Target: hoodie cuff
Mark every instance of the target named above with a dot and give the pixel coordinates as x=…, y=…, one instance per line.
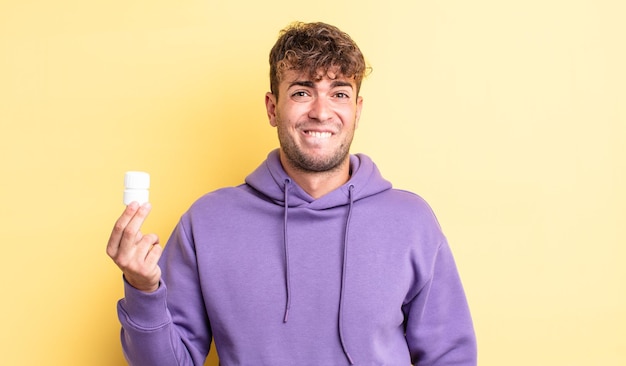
x=145, y=310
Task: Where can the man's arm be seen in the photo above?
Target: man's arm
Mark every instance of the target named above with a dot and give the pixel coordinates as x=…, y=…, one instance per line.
x=439, y=328
x=156, y=326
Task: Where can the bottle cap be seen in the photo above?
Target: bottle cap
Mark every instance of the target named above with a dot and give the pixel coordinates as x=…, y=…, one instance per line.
x=136, y=180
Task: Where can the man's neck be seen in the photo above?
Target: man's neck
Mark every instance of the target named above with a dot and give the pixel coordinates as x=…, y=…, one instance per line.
x=317, y=184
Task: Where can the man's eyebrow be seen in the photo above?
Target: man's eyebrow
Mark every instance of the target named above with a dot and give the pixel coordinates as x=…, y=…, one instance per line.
x=337, y=83
x=311, y=84
x=305, y=83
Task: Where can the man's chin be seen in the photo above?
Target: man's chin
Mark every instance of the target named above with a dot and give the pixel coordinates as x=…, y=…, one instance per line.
x=319, y=163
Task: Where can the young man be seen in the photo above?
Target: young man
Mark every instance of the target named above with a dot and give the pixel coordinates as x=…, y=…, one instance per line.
x=314, y=260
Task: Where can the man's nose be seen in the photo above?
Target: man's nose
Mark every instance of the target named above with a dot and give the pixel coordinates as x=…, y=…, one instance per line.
x=320, y=109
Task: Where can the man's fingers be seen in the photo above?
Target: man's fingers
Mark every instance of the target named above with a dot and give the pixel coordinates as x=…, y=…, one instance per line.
x=126, y=231
x=146, y=242
x=119, y=227
x=154, y=254
x=129, y=234
x=136, y=254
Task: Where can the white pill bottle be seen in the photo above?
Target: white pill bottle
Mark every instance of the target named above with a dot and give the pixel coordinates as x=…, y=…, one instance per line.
x=136, y=185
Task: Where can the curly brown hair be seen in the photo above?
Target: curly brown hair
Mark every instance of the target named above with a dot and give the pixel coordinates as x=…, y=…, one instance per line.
x=313, y=48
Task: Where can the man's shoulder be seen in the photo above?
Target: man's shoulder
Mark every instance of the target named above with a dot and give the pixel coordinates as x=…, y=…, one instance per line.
x=402, y=196
x=403, y=203
x=214, y=200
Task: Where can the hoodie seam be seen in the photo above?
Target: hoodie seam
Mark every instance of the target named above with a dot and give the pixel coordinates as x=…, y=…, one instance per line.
x=431, y=272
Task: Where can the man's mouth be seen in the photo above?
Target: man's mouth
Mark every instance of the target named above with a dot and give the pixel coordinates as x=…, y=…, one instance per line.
x=318, y=134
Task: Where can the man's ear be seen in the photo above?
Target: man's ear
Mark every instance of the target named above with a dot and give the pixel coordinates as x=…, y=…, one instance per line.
x=359, y=107
x=270, y=106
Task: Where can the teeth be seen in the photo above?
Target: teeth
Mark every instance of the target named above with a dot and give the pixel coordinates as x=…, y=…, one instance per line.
x=319, y=134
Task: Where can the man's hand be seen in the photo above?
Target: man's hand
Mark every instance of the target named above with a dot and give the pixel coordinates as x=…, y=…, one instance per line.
x=136, y=254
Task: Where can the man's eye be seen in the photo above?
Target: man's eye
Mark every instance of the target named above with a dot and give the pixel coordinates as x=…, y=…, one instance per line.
x=299, y=94
x=342, y=97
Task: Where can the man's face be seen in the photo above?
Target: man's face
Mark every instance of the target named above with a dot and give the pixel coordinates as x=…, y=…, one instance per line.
x=316, y=120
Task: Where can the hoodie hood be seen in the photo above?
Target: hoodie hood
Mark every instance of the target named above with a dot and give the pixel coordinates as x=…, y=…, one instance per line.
x=270, y=177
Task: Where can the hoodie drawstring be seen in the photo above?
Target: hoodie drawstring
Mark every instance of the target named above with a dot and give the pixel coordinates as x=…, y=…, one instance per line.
x=343, y=266
x=286, y=245
x=343, y=275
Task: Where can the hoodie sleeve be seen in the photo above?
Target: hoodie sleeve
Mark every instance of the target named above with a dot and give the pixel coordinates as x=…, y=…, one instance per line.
x=439, y=329
x=168, y=326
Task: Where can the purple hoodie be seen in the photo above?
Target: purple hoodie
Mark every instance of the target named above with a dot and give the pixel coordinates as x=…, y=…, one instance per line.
x=362, y=275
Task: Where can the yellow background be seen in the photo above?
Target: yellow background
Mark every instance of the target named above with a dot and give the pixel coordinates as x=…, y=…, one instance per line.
x=509, y=117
